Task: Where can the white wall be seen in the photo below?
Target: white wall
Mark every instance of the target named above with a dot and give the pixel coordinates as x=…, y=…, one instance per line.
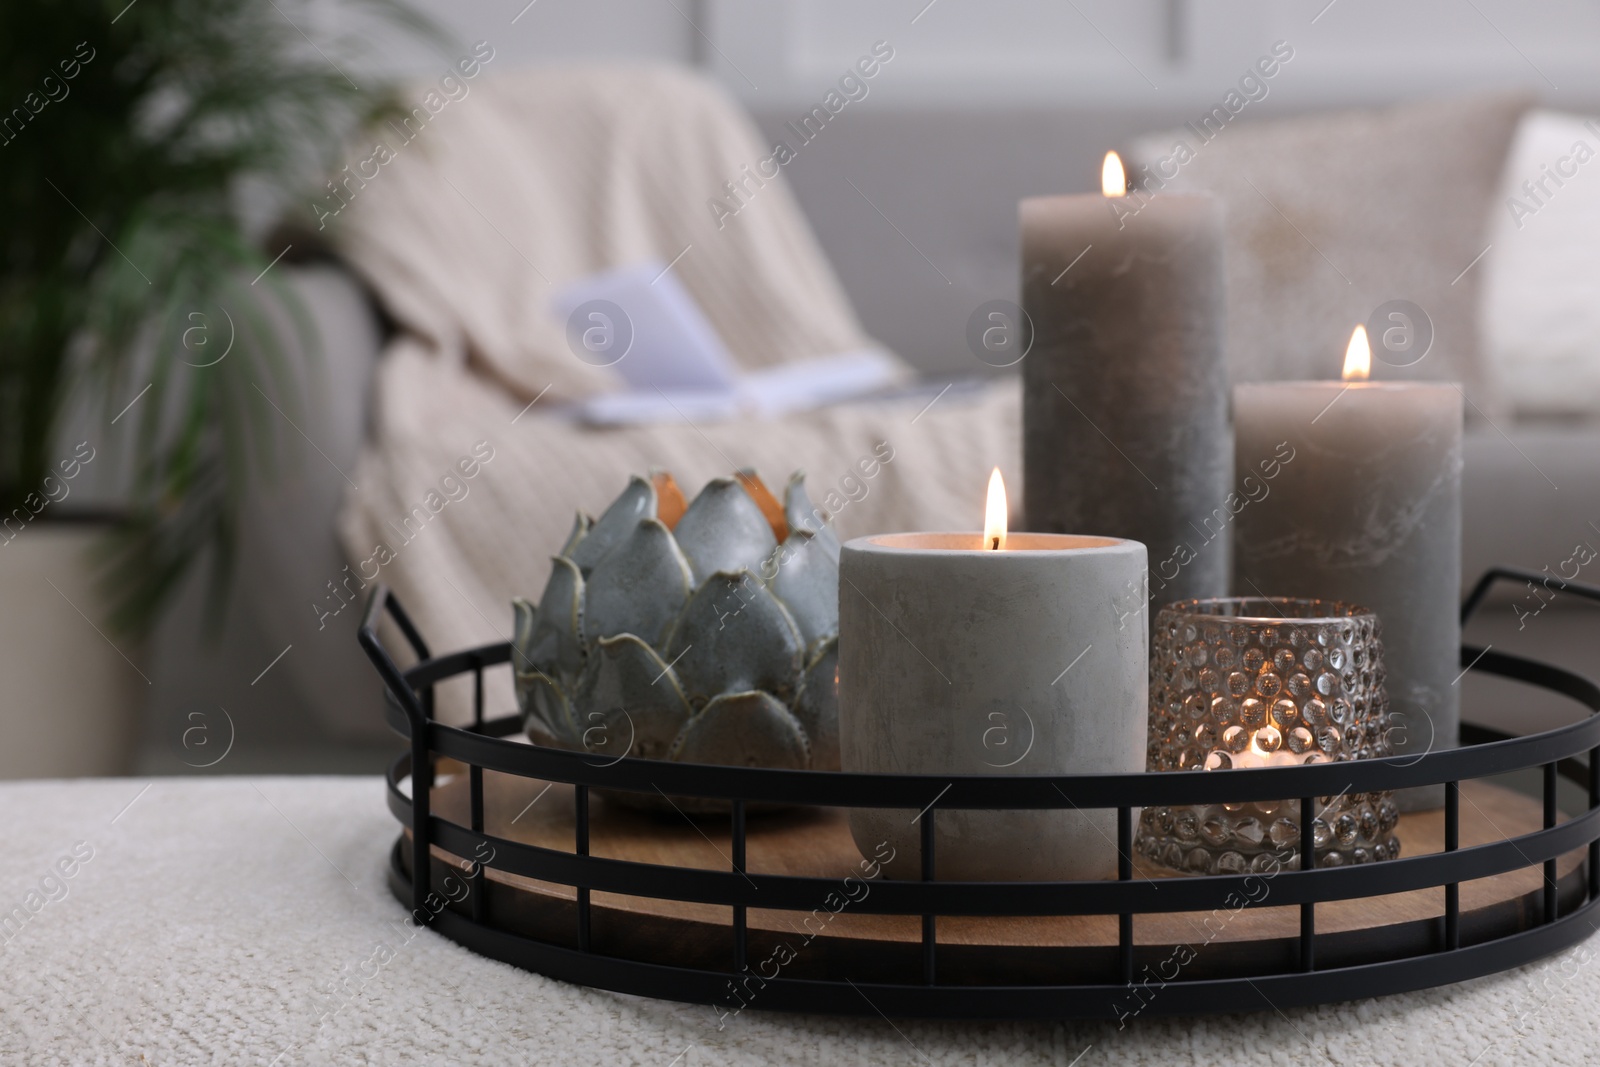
x=1113, y=53
x=1148, y=52
x=521, y=33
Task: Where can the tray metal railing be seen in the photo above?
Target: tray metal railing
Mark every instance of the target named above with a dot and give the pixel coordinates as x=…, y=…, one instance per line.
x=1565, y=906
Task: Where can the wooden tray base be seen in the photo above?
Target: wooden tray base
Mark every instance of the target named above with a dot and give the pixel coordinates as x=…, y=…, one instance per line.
x=978, y=950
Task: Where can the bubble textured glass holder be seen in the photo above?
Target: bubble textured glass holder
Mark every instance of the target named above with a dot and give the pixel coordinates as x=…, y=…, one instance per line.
x=1266, y=682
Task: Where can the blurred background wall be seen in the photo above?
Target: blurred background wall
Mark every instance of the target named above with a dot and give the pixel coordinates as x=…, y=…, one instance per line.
x=1116, y=54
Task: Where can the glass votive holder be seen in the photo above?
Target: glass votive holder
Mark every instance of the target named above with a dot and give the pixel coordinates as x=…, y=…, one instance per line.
x=1245, y=682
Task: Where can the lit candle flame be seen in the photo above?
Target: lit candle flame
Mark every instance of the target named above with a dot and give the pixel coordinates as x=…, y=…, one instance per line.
x=1255, y=746
x=1358, y=357
x=1113, y=180
x=994, y=513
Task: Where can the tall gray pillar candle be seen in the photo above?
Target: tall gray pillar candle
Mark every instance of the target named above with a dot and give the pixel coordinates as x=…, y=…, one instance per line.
x=1365, y=508
x=958, y=659
x=1125, y=400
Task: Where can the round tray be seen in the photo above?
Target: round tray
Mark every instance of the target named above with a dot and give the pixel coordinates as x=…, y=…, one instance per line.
x=774, y=911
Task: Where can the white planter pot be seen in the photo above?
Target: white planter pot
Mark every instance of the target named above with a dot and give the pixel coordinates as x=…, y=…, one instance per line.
x=70, y=701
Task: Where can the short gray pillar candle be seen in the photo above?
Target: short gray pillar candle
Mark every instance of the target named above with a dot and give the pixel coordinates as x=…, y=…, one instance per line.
x=1368, y=511
x=1125, y=390
x=958, y=659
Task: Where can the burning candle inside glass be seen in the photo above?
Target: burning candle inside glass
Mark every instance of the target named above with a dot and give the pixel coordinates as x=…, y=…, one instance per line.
x=1266, y=682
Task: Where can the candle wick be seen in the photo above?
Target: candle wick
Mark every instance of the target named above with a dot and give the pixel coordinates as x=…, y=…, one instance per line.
x=994, y=543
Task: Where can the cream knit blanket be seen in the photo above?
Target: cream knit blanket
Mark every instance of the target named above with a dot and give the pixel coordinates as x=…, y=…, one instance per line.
x=470, y=479
x=456, y=547
x=534, y=179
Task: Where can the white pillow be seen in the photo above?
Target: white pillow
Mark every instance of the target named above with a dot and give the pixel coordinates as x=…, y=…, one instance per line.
x=1540, y=310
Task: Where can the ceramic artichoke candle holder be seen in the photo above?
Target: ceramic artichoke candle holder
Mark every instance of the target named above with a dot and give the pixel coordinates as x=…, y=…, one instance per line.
x=705, y=633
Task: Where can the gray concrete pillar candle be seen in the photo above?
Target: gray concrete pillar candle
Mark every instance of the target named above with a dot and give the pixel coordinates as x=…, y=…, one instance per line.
x=958, y=659
x=1125, y=402
x=1365, y=508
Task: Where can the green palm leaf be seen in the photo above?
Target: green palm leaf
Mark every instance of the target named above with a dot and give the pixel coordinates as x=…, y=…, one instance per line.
x=132, y=132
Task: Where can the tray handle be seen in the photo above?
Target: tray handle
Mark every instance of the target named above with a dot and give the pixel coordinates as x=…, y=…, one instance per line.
x=384, y=602
x=1521, y=574
x=417, y=713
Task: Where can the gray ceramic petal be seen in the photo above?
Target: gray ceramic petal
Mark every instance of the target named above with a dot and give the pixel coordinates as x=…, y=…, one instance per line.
x=637, y=501
x=581, y=524
x=734, y=636
x=556, y=645
x=639, y=587
x=628, y=702
x=546, y=716
x=804, y=515
x=744, y=730
x=808, y=584
x=724, y=530
x=817, y=708
x=524, y=618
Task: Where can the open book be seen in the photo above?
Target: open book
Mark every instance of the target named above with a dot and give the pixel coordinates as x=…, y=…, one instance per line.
x=641, y=321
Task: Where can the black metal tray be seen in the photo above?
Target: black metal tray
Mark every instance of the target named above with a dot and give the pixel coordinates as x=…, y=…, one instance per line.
x=537, y=908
